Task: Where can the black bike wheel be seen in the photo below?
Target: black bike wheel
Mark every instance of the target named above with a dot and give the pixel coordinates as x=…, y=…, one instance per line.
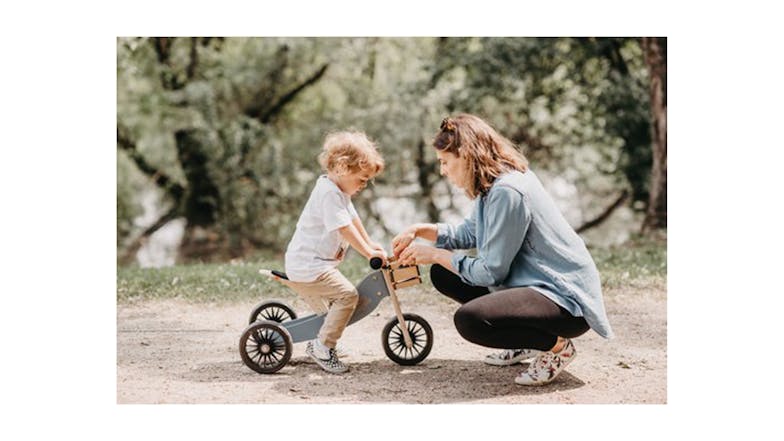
x=395, y=345
x=273, y=311
x=265, y=346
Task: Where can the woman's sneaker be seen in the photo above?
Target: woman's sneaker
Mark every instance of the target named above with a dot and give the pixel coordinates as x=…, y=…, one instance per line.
x=325, y=357
x=511, y=356
x=547, y=365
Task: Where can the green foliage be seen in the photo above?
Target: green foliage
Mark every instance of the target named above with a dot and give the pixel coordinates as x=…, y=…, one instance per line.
x=578, y=107
x=128, y=206
x=246, y=155
x=223, y=108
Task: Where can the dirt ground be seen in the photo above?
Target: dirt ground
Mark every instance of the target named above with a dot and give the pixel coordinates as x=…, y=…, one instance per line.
x=177, y=352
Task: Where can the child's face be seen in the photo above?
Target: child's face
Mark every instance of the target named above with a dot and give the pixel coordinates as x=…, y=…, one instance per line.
x=353, y=183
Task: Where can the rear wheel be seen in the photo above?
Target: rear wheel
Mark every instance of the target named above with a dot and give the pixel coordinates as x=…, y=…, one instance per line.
x=273, y=311
x=265, y=346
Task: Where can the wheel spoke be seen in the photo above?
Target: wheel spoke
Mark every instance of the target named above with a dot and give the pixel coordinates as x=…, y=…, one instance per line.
x=418, y=339
x=275, y=313
x=265, y=347
x=269, y=337
x=397, y=342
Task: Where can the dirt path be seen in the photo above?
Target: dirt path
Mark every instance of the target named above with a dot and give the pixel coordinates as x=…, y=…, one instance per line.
x=175, y=352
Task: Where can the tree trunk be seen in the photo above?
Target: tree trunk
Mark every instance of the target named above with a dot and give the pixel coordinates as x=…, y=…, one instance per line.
x=202, y=198
x=201, y=205
x=655, y=51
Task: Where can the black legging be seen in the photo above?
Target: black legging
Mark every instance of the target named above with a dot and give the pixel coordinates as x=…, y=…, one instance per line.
x=508, y=319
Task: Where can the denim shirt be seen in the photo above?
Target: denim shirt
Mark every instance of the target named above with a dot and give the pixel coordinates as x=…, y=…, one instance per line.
x=523, y=240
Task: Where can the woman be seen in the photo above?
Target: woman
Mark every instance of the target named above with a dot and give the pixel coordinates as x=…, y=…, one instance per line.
x=532, y=285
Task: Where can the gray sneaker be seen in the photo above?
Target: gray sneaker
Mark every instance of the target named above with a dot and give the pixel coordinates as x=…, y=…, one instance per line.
x=509, y=357
x=331, y=363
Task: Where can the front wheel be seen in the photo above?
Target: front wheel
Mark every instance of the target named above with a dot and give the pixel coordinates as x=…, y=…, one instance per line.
x=265, y=346
x=395, y=345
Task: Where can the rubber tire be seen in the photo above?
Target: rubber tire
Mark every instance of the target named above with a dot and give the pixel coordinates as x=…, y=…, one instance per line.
x=287, y=313
x=277, y=336
x=417, y=356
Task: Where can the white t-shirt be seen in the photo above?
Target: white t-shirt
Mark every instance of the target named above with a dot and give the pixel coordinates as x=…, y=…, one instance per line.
x=317, y=245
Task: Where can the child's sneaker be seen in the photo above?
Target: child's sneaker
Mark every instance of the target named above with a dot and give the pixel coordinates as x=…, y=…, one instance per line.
x=325, y=357
x=341, y=351
x=547, y=365
x=511, y=356
x=323, y=350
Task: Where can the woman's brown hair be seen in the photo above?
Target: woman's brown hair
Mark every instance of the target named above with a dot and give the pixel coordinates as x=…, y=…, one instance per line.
x=487, y=153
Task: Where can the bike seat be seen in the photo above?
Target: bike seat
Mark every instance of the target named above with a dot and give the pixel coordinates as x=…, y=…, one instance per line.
x=280, y=274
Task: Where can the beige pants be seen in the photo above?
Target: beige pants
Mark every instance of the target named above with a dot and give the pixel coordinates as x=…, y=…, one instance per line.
x=332, y=293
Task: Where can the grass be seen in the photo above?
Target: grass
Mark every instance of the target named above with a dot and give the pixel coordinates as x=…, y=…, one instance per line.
x=210, y=282
x=640, y=263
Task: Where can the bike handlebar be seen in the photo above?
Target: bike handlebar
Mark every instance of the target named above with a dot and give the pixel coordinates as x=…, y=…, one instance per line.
x=376, y=263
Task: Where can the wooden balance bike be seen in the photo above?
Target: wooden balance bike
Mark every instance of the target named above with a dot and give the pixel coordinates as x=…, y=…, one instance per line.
x=266, y=344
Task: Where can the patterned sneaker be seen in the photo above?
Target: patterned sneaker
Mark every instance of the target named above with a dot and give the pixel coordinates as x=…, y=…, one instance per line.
x=342, y=352
x=547, y=365
x=511, y=356
x=328, y=361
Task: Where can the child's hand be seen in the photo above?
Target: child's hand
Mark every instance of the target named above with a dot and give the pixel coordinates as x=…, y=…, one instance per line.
x=377, y=246
x=381, y=254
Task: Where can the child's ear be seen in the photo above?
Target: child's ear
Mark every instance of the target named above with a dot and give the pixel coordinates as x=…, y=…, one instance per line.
x=339, y=168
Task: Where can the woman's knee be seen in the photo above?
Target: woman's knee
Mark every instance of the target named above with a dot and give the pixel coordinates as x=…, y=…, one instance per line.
x=441, y=277
x=470, y=325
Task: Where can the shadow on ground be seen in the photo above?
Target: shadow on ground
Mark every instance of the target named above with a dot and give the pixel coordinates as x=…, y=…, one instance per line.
x=382, y=381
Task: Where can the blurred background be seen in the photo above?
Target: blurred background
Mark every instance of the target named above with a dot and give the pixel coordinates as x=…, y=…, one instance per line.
x=217, y=138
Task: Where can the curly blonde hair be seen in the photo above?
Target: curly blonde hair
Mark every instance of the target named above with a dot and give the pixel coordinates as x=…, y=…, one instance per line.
x=348, y=152
x=487, y=153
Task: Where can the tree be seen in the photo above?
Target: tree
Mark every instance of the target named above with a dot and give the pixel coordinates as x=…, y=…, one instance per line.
x=214, y=119
x=656, y=58
x=575, y=105
x=227, y=130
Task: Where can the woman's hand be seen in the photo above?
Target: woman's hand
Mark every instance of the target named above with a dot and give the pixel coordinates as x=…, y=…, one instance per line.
x=420, y=254
x=403, y=240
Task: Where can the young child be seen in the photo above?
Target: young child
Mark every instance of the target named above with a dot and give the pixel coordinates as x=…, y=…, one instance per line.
x=327, y=226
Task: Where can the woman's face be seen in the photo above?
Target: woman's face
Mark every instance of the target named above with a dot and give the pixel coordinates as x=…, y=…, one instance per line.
x=454, y=168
